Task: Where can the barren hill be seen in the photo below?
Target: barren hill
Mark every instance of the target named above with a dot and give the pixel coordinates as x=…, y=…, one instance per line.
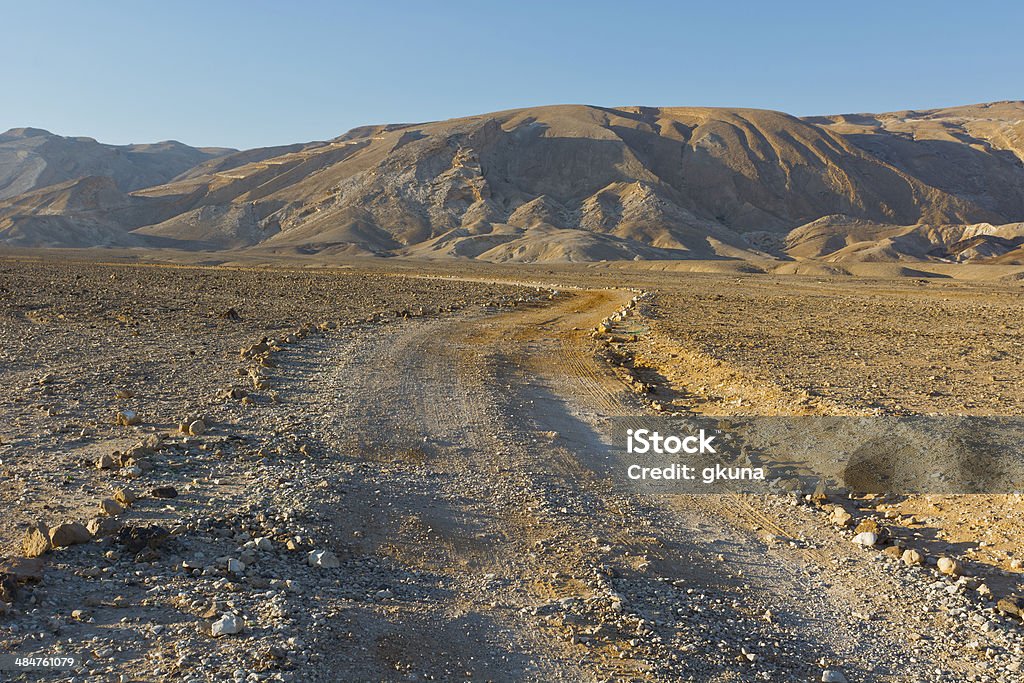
x=588, y=183
x=31, y=158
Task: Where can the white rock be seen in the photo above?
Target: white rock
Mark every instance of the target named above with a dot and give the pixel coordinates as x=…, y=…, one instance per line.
x=833, y=676
x=197, y=428
x=236, y=566
x=227, y=625
x=912, y=558
x=323, y=558
x=128, y=417
x=865, y=539
x=949, y=566
x=840, y=517
x=263, y=543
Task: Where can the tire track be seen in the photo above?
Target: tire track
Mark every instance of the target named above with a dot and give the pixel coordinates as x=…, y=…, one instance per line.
x=481, y=384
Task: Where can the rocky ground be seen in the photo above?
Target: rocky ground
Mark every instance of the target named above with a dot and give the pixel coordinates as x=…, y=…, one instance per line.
x=809, y=346
x=902, y=346
x=362, y=474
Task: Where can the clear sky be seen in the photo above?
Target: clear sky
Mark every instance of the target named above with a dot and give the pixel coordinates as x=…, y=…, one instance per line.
x=255, y=73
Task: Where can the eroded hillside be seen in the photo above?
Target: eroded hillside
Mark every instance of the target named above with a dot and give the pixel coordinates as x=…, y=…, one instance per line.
x=582, y=183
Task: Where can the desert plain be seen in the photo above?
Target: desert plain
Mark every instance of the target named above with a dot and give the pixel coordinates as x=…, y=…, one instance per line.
x=245, y=468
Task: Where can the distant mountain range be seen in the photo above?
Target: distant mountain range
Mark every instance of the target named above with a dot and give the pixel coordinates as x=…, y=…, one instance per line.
x=559, y=183
x=31, y=158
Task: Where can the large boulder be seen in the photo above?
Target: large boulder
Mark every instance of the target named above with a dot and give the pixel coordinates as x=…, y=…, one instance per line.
x=36, y=541
x=69, y=533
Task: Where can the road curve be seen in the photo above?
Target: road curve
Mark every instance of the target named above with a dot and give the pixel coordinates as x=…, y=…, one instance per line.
x=495, y=427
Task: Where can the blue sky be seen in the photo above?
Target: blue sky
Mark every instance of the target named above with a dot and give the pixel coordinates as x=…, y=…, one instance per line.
x=254, y=73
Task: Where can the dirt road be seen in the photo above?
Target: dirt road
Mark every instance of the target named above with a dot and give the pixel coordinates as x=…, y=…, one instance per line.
x=448, y=444
x=504, y=420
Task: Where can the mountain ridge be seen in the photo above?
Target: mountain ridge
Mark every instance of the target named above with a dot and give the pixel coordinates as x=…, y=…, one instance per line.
x=33, y=158
x=578, y=182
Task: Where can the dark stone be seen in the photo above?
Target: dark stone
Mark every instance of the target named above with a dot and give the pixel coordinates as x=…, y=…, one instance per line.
x=8, y=587
x=23, y=569
x=136, y=538
x=16, y=571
